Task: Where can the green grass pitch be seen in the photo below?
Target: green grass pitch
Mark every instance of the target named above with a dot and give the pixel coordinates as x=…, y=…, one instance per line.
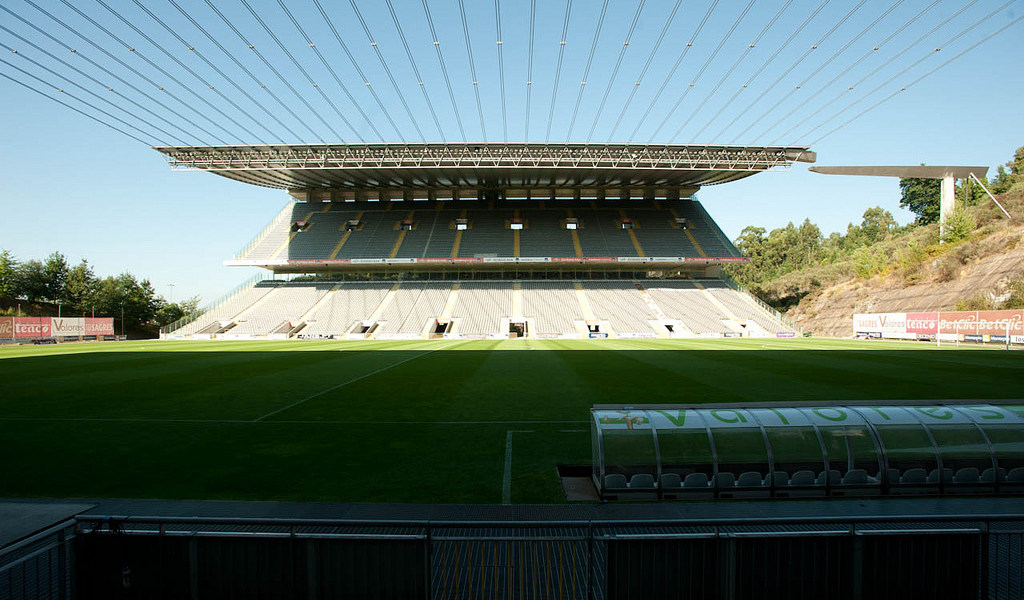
x=403, y=421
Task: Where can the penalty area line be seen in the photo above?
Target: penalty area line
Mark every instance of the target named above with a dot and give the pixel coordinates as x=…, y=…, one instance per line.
x=350, y=381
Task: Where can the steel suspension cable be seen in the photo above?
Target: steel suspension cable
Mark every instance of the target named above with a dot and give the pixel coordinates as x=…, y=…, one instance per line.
x=672, y=71
x=887, y=62
x=164, y=72
x=700, y=73
x=273, y=70
x=387, y=70
x=472, y=69
x=128, y=67
x=797, y=63
x=850, y=67
x=803, y=82
x=415, y=69
x=309, y=78
x=529, y=70
x=558, y=69
x=586, y=70
x=615, y=70
x=243, y=68
x=195, y=75
x=70, y=95
x=217, y=70
x=444, y=69
x=501, y=68
x=359, y=70
x=731, y=69
x=92, y=79
x=757, y=73
x=333, y=73
x=643, y=70
x=906, y=87
x=95, y=64
x=925, y=57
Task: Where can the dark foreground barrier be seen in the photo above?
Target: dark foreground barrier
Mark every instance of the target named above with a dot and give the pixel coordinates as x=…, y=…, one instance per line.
x=871, y=548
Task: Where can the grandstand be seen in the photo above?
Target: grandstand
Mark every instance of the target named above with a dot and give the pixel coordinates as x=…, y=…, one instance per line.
x=400, y=241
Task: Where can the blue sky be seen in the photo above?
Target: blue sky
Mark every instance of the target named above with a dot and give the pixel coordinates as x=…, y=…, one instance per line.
x=68, y=183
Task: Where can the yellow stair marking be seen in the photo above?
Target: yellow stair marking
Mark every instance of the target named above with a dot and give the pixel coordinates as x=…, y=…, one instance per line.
x=517, y=300
x=383, y=305
x=693, y=241
x=632, y=236
x=316, y=305
x=285, y=243
x=251, y=307
x=515, y=236
x=657, y=205
x=721, y=307
x=575, y=236
x=581, y=296
x=401, y=236
x=344, y=238
x=458, y=237
x=327, y=207
x=449, y=306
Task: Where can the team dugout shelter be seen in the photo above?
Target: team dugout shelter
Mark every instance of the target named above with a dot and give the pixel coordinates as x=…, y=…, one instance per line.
x=734, y=451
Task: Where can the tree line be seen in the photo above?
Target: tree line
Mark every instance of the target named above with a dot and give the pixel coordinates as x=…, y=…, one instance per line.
x=80, y=292
x=794, y=247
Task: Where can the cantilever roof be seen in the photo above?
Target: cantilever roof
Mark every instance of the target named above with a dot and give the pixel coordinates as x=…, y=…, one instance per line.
x=483, y=165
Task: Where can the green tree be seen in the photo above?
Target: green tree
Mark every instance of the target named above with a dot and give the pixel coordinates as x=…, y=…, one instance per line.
x=877, y=224
x=80, y=288
x=172, y=311
x=8, y=275
x=136, y=298
x=55, y=272
x=31, y=280
x=921, y=197
x=959, y=225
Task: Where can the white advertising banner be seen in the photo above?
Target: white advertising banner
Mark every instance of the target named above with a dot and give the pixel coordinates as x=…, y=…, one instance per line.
x=67, y=326
x=880, y=323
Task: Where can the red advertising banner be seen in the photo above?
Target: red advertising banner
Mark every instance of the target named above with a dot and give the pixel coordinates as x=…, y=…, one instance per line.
x=923, y=322
x=100, y=326
x=31, y=327
x=7, y=327
x=995, y=322
x=964, y=323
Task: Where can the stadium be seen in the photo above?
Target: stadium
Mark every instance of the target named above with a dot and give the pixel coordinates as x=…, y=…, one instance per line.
x=475, y=369
x=488, y=241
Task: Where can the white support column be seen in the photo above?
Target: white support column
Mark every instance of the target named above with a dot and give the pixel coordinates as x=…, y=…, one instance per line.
x=947, y=202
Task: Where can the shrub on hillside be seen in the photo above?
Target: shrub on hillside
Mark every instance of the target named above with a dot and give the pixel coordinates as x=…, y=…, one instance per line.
x=959, y=225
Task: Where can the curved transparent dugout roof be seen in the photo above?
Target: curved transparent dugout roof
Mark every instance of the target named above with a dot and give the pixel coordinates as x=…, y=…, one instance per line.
x=895, y=448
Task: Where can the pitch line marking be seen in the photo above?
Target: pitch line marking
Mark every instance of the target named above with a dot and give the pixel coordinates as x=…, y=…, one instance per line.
x=506, y=478
x=350, y=381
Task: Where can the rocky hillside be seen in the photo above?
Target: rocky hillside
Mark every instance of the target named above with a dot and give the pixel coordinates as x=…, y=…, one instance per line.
x=913, y=272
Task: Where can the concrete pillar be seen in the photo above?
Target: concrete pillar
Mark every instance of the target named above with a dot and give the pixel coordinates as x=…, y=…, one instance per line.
x=947, y=202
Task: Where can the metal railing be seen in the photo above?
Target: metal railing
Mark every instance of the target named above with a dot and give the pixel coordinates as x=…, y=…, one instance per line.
x=283, y=215
x=240, y=288
x=772, y=312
